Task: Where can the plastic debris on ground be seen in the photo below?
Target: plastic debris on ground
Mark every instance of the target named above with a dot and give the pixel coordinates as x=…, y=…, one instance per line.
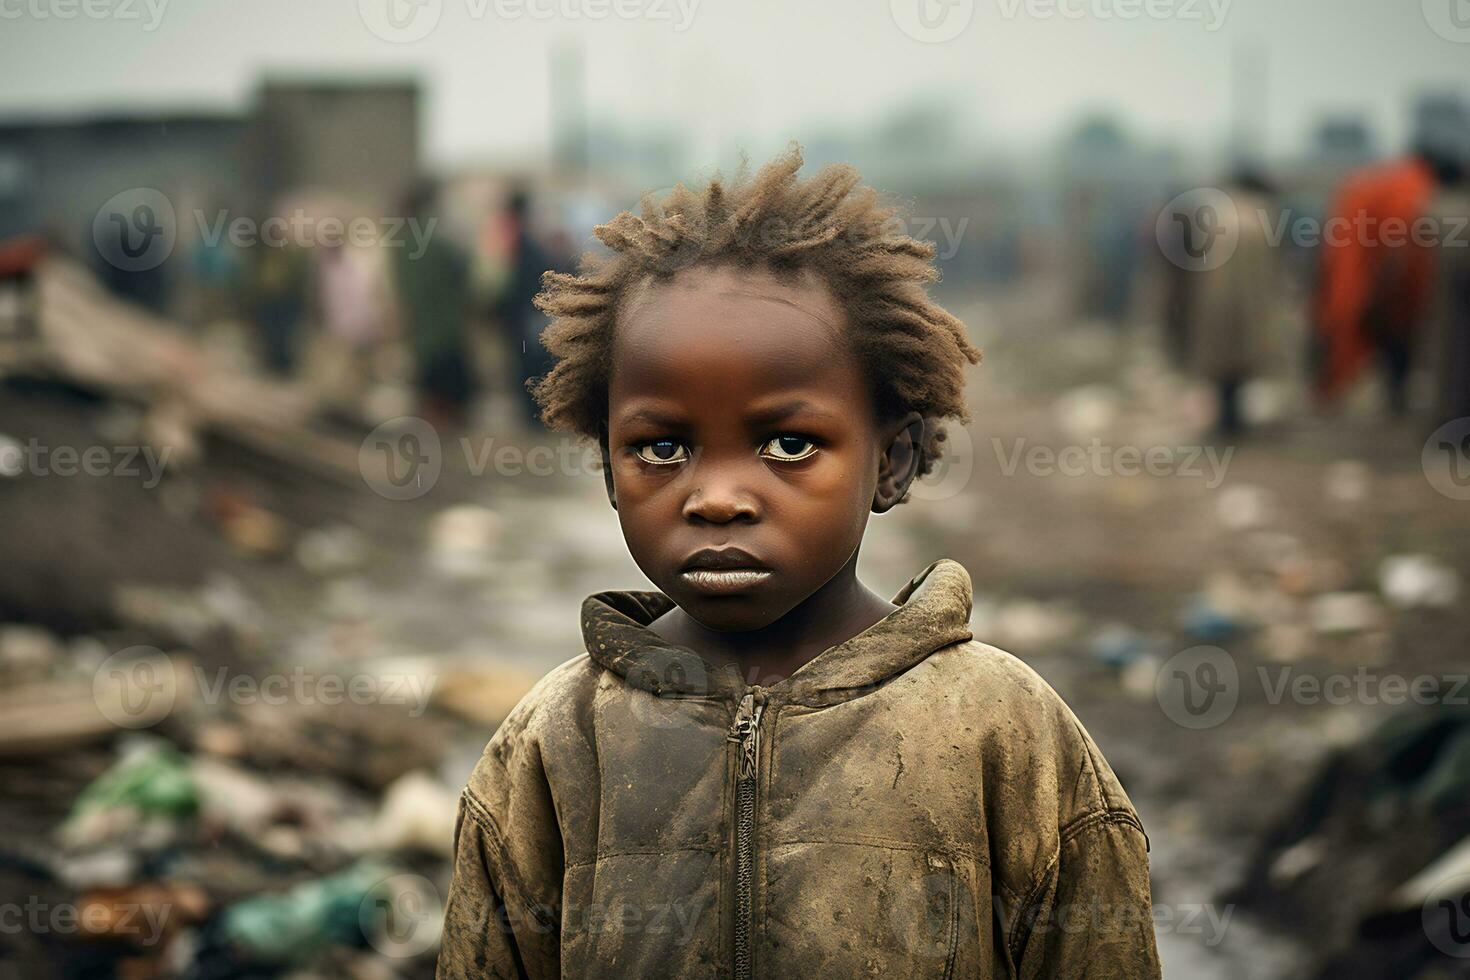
x=1418, y=581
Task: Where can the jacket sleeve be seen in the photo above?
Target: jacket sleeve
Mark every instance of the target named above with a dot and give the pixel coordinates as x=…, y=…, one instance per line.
x=502, y=919
x=1092, y=914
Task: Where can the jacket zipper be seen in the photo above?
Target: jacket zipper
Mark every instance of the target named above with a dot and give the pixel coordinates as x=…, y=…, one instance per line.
x=745, y=732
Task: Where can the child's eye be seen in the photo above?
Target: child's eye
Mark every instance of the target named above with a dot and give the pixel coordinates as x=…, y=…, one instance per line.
x=662, y=451
x=788, y=448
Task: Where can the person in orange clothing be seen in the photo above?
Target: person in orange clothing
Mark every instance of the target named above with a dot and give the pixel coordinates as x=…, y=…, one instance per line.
x=1376, y=271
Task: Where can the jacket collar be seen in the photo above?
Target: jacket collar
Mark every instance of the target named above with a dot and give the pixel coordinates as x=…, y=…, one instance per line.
x=933, y=612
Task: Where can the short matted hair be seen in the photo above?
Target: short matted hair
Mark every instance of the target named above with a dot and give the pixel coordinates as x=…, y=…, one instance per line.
x=913, y=350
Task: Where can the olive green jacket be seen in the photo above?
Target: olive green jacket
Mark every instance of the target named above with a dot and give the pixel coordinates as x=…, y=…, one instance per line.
x=909, y=803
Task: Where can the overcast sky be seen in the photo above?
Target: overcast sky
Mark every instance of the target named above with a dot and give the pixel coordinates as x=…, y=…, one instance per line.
x=757, y=72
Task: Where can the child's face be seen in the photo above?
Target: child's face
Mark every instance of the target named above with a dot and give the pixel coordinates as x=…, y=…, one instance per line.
x=739, y=418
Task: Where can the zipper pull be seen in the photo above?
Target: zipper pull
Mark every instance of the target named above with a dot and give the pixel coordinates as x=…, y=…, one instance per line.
x=746, y=731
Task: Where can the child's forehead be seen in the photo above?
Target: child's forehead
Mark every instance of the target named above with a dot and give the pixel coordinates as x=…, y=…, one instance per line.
x=733, y=295
x=731, y=331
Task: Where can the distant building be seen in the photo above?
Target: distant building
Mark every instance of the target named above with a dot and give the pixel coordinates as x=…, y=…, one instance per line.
x=1343, y=141
x=356, y=139
x=56, y=173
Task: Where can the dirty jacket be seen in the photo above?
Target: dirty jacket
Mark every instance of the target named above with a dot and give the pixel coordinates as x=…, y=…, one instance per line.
x=910, y=803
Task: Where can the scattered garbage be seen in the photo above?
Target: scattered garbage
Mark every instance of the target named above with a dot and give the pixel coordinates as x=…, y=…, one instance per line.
x=1117, y=645
x=1372, y=847
x=1205, y=620
x=1346, y=612
x=149, y=787
x=1139, y=677
x=483, y=694
x=1088, y=411
x=12, y=457
x=1418, y=581
x=332, y=550
x=1243, y=506
x=26, y=652
x=250, y=528
x=1028, y=625
x=289, y=927
x=1347, y=481
x=143, y=915
x=462, y=540
x=418, y=814
x=1263, y=401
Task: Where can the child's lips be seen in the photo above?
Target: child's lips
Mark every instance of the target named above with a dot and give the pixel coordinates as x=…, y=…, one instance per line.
x=724, y=581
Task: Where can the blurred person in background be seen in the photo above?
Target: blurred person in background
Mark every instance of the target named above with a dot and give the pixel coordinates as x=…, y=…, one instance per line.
x=280, y=283
x=1225, y=320
x=1448, y=328
x=433, y=286
x=213, y=277
x=351, y=307
x=516, y=306
x=1376, y=274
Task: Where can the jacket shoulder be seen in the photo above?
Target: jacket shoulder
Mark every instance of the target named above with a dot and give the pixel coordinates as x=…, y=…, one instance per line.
x=558, y=703
x=1027, y=724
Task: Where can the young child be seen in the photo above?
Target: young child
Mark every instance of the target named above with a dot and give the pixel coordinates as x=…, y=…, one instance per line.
x=763, y=768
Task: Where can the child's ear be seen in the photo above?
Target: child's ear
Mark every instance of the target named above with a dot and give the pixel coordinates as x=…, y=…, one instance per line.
x=607, y=479
x=899, y=463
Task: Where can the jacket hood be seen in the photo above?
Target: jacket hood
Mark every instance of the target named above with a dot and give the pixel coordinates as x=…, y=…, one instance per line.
x=933, y=612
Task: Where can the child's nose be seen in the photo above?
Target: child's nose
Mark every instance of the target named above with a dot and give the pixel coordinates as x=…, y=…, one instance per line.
x=720, y=501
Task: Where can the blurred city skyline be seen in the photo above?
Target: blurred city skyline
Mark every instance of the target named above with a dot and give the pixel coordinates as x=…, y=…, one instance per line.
x=715, y=78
